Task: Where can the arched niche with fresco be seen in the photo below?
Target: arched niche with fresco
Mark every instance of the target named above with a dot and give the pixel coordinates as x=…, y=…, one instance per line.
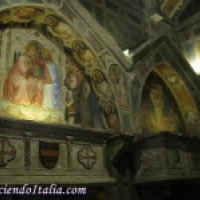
x=166, y=104
x=49, y=73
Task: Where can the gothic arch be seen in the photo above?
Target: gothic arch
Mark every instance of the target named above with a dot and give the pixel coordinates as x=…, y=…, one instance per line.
x=85, y=51
x=181, y=94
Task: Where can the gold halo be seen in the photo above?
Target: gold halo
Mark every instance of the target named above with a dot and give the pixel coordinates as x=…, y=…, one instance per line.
x=48, y=19
x=79, y=43
x=97, y=73
x=112, y=107
x=47, y=51
x=30, y=47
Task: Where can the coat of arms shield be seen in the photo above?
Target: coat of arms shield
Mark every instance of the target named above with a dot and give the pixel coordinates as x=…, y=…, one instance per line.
x=48, y=153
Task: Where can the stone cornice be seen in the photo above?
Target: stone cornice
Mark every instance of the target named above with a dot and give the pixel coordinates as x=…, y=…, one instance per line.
x=56, y=131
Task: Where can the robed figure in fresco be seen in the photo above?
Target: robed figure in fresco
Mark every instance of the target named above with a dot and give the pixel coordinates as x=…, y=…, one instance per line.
x=48, y=93
x=78, y=103
x=19, y=86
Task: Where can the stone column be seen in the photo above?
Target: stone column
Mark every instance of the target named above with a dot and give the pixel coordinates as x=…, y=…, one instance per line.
x=27, y=149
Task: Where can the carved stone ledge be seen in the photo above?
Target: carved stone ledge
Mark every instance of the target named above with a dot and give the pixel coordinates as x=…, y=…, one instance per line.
x=167, y=156
x=57, y=131
x=66, y=180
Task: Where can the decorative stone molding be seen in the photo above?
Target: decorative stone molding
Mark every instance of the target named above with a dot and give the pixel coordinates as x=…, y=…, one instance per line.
x=69, y=151
x=40, y=130
x=27, y=149
x=166, y=156
x=87, y=157
x=7, y=152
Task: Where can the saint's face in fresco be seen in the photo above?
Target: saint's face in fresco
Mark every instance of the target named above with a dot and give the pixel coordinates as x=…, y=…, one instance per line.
x=98, y=77
x=71, y=81
x=31, y=54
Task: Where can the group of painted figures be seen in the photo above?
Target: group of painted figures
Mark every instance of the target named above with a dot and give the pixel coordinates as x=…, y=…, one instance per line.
x=79, y=100
x=22, y=87
x=85, y=77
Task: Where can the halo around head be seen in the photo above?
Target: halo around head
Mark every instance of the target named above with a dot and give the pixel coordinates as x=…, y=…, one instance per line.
x=51, y=21
x=97, y=73
x=111, y=106
x=30, y=47
x=78, y=43
x=47, y=51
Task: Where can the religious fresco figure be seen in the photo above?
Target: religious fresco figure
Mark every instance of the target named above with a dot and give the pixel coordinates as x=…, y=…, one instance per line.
x=174, y=121
x=60, y=30
x=119, y=81
x=27, y=14
x=135, y=81
x=77, y=83
x=72, y=80
x=4, y=17
x=112, y=118
x=84, y=104
x=19, y=86
x=101, y=86
x=48, y=92
x=159, y=108
x=156, y=96
x=84, y=56
x=172, y=78
x=120, y=89
x=70, y=110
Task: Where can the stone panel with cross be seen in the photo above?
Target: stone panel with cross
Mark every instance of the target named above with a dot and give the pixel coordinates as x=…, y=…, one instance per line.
x=151, y=160
x=7, y=152
x=87, y=157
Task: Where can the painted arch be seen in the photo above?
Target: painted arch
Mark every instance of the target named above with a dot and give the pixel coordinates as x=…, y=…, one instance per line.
x=66, y=76
x=164, y=101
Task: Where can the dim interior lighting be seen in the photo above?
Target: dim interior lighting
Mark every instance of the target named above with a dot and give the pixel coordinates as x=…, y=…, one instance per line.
x=126, y=52
x=196, y=66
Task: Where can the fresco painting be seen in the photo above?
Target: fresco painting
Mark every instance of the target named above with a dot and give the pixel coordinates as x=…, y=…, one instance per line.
x=68, y=13
x=52, y=75
x=112, y=118
x=78, y=98
x=95, y=43
x=84, y=55
x=119, y=80
x=159, y=109
x=183, y=97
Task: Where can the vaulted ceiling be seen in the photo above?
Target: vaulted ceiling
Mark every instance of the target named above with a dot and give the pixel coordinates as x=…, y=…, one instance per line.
x=131, y=22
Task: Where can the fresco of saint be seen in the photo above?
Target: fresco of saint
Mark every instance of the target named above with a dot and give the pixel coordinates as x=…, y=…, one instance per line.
x=48, y=93
x=60, y=30
x=160, y=111
x=120, y=89
x=112, y=118
x=19, y=86
x=156, y=96
x=84, y=56
x=78, y=104
x=100, y=84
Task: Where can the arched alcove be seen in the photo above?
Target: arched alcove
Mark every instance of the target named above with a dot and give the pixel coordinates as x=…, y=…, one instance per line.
x=166, y=103
x=81, y=93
